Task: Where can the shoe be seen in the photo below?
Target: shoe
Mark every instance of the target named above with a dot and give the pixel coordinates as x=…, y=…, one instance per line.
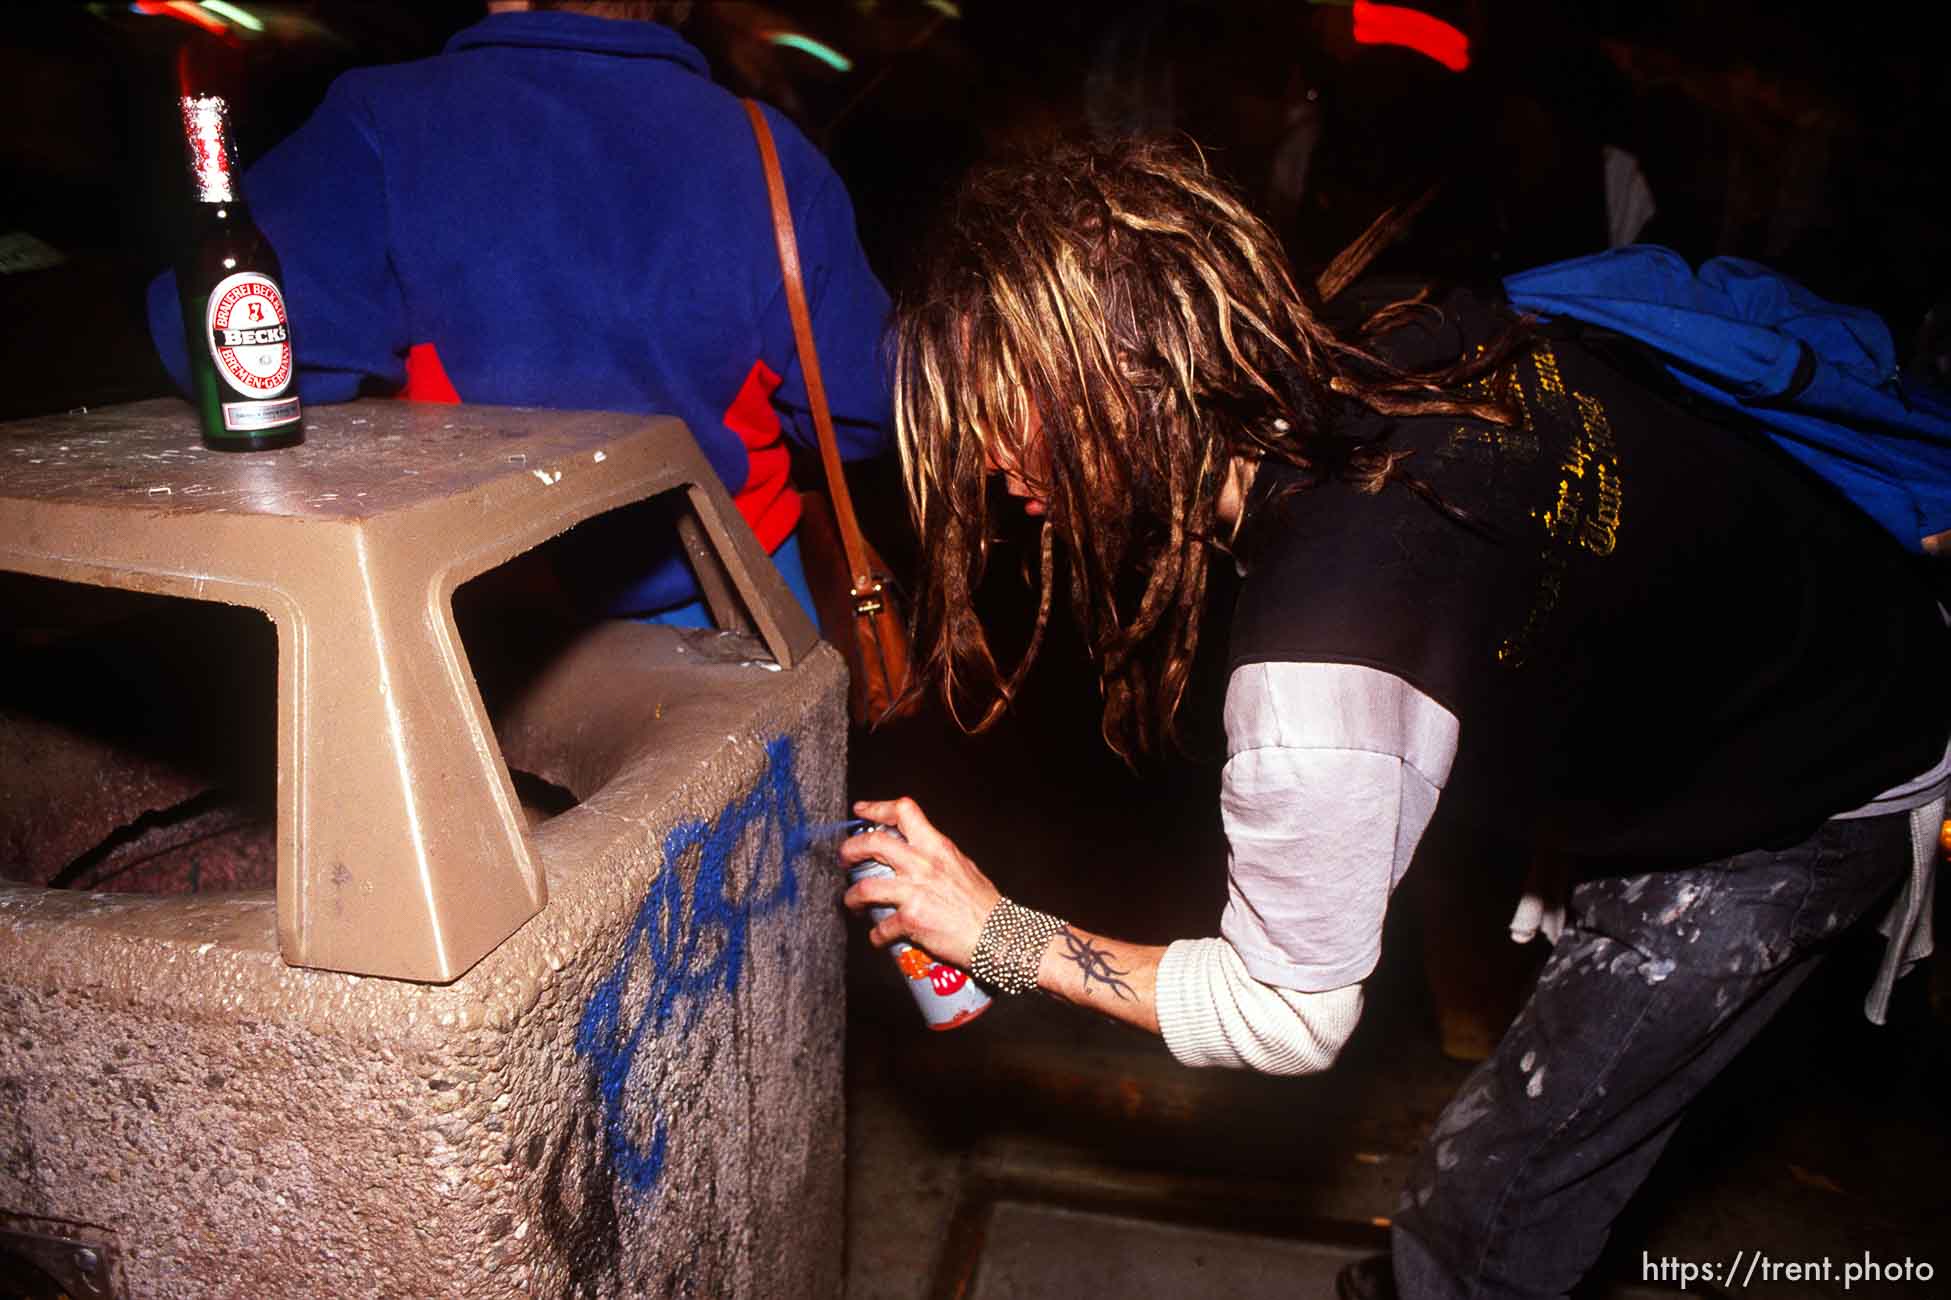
x=1366, y=1279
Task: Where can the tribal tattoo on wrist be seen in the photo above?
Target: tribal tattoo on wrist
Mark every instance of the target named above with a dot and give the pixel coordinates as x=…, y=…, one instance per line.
x=1094, y=964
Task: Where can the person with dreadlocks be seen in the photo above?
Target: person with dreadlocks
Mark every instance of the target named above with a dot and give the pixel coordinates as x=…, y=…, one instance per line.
x=1481, y=564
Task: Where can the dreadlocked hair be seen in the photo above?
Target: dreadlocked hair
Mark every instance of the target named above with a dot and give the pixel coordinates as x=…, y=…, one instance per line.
x=1123, y=303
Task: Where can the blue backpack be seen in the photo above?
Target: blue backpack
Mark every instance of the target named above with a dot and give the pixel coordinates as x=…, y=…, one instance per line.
x=1820, y=378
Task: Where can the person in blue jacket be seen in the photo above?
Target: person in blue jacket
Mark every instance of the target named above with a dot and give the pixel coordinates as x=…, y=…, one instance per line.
x=562, y=209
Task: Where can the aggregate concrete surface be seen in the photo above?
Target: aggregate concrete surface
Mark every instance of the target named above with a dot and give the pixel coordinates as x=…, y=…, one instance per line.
x=639, y=1093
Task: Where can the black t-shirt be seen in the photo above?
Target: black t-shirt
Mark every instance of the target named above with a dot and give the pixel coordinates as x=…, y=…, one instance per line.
x=1662, y=637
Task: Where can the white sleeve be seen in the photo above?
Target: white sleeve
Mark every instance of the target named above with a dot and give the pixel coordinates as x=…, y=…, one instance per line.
x=1211, y=1012
x=1332, y=774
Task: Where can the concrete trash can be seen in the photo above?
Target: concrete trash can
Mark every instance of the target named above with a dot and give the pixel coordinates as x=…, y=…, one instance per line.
x=450, y=1052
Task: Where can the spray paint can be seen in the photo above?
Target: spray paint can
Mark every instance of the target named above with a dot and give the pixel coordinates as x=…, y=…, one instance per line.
x=947, y=995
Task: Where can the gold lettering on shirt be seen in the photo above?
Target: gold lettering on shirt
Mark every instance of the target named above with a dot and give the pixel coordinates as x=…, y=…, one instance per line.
x=1599, y=531
x=1584, y=507
x=1489, y=443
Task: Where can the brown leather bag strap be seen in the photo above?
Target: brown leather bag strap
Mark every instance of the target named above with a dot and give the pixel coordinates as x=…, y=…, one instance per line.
x=866, y=582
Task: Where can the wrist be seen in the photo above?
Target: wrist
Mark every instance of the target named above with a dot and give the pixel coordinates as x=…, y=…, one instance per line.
x=1009, y=950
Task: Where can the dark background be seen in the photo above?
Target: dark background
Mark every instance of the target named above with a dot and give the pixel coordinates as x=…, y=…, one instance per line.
x=1810, y=136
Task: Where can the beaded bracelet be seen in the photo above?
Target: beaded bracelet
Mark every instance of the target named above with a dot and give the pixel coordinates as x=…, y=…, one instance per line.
x=1010, y=948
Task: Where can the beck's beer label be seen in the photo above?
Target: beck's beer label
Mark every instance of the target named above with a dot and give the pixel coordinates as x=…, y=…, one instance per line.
x=250, y=335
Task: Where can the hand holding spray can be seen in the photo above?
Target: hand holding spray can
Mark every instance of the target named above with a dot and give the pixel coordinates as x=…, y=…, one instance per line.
x=947, y=996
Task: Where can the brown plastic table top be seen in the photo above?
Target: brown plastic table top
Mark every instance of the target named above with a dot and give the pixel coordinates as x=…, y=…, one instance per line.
x=401, y=846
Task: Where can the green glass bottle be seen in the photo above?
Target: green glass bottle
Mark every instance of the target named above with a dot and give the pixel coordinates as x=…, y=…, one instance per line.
x=243, y=377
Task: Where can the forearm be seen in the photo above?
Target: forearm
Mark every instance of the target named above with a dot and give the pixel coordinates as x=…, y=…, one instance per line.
x=1115, y=979
x=1198, y=996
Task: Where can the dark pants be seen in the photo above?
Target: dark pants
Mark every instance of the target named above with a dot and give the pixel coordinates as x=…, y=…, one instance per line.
x=1656, y=984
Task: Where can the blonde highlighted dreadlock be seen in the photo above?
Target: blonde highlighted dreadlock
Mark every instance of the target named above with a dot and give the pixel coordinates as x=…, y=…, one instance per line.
x=1150, y=321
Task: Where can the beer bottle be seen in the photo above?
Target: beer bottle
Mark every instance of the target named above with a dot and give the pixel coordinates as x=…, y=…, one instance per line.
x=242, y=377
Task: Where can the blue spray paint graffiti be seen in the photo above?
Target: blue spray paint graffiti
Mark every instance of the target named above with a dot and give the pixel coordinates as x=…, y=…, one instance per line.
x=695, y=948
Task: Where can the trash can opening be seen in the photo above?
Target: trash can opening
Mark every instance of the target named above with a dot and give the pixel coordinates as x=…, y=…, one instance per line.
x=137, y=740
x=648, y=561
x=604, y=610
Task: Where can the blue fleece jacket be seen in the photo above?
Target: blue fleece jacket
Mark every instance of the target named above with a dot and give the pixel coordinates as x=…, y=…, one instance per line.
x=561, y=210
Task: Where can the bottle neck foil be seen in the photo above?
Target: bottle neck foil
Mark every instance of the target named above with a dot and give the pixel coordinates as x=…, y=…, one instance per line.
x=206, y=136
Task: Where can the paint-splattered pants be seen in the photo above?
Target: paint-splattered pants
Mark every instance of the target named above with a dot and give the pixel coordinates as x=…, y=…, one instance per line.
x=1656, y=984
